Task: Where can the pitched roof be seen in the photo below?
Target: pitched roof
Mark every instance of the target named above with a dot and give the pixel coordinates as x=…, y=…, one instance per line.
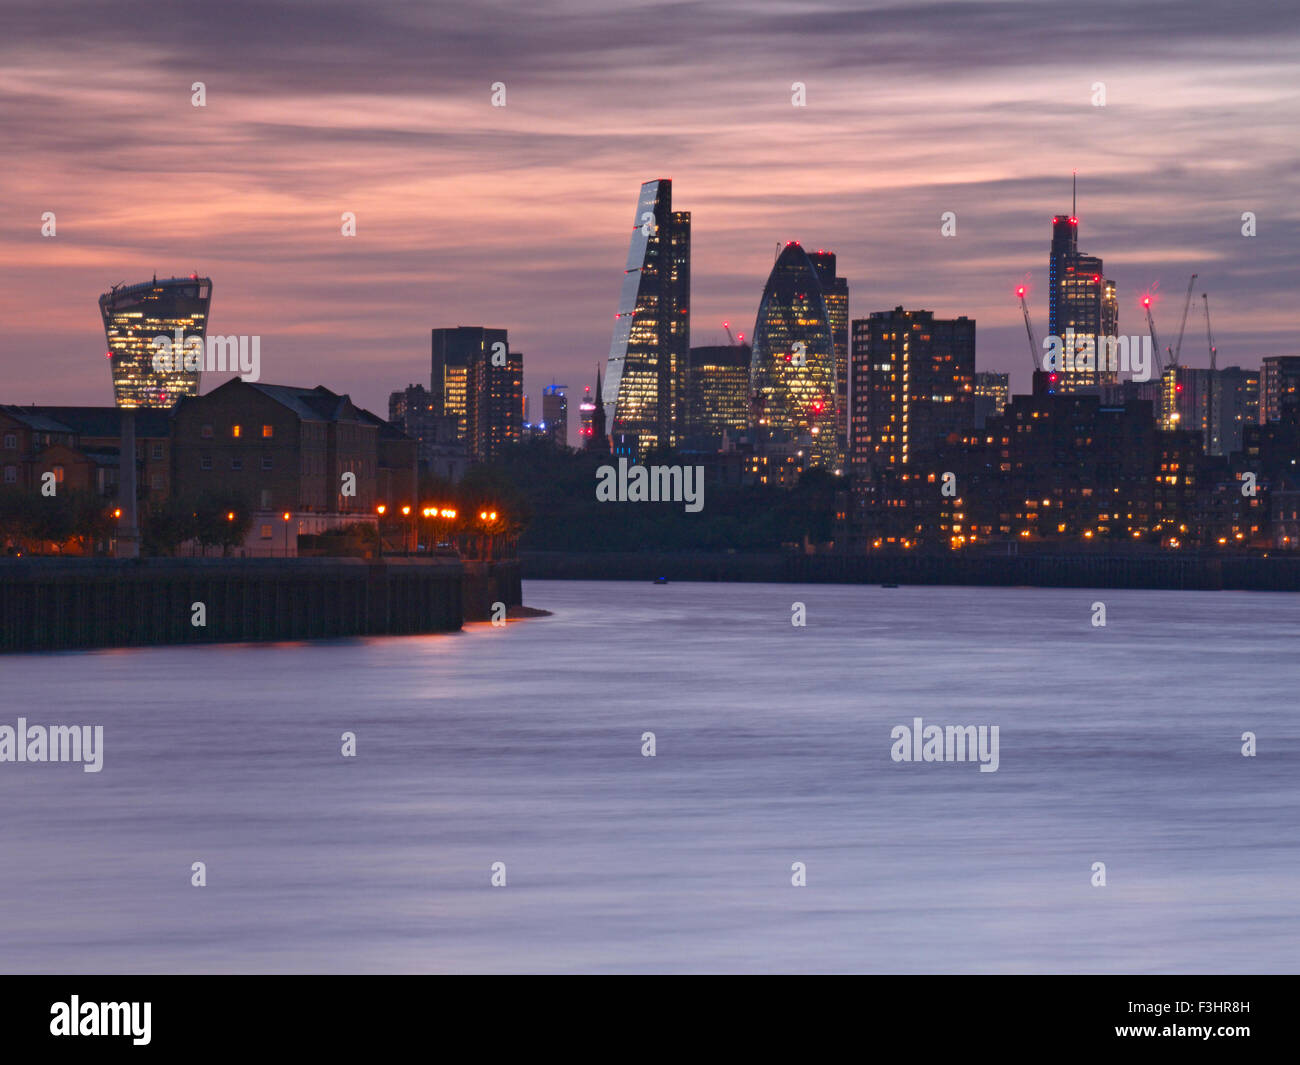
x=103, y=421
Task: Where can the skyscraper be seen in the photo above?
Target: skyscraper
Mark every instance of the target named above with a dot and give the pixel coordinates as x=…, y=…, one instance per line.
x=792, y=371
x=477, y=379
x=913, y=385
x=835, y=291
x=1082, y=305
x=555, y=413
x=647, y=357
x=718, y=394
x=133, y=316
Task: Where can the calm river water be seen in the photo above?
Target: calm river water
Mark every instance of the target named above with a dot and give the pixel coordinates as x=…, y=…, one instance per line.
x=523, y=745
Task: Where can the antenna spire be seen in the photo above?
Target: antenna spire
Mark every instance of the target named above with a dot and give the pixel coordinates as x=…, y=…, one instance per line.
x=1074, y=194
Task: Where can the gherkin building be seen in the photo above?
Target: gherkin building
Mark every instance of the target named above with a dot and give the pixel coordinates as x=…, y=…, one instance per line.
x=792, y=373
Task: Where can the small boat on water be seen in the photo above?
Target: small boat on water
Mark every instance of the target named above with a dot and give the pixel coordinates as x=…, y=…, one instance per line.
x=661, y=580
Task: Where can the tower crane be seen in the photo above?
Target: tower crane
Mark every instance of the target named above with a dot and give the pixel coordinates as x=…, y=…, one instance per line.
x=1155, y=344
x=1183, y=324
x=1029, y=332
x=1209, y=390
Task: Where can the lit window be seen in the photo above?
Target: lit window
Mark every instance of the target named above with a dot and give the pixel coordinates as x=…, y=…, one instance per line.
x=58, y=474
x=266, y=532
x=234, y=430
x=268, y=431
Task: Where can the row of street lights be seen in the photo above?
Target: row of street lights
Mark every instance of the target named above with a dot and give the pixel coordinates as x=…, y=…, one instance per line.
x=435, y=512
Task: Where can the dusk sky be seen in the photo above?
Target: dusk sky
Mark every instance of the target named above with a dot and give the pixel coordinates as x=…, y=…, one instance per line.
x=519, y=216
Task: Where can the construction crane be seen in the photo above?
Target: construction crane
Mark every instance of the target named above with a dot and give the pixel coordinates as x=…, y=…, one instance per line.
x=727, y=327
x=1155, y=344
x=1173, y=354
x=1029, y=332
x=1209, y=389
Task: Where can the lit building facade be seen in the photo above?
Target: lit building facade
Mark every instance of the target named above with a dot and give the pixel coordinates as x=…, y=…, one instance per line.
x=479, y=381
x=1082, y=305
x=835, y=291
x=586, y=416
x=718, y=394
x=133, y=316
x=1215, y=405
x=792, y=369
x=643, y=391
x=555, y=413
x=1279, y=386
x=913, y=385
x=992, y=394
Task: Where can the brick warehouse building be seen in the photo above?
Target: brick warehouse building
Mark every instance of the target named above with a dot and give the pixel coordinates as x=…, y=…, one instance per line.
x=286, y=450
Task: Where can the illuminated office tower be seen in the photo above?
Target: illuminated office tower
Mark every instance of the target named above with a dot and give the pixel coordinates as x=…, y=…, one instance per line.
x=718, y=394
x=643, y=393
x=133, y=316
x=913, y=385
x=479, y=381
x=835, y=291
x=792, y=372
x=1082, y=306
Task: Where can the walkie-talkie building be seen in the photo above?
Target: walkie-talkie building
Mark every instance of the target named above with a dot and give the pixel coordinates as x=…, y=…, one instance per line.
x=793, y=372
x=643, y=393
x=133, y=316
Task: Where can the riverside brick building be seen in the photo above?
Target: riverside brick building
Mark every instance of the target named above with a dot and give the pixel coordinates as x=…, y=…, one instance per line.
x=285, y=449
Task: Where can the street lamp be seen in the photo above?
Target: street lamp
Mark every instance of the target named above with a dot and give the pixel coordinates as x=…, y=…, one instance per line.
x=286, y=533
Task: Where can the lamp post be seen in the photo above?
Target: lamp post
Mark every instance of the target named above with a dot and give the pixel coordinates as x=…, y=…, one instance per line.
x=286, y=534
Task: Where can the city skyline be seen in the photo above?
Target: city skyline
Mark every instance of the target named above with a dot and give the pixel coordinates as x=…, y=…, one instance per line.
x=467, y=212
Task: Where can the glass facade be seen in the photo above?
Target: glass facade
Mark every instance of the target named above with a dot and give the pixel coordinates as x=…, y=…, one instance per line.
x=643, y=390
x=793, y=370
x=1082, y=305
x=477, y=380
x=835, y=291
x=133, y=316
x=718, y=394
